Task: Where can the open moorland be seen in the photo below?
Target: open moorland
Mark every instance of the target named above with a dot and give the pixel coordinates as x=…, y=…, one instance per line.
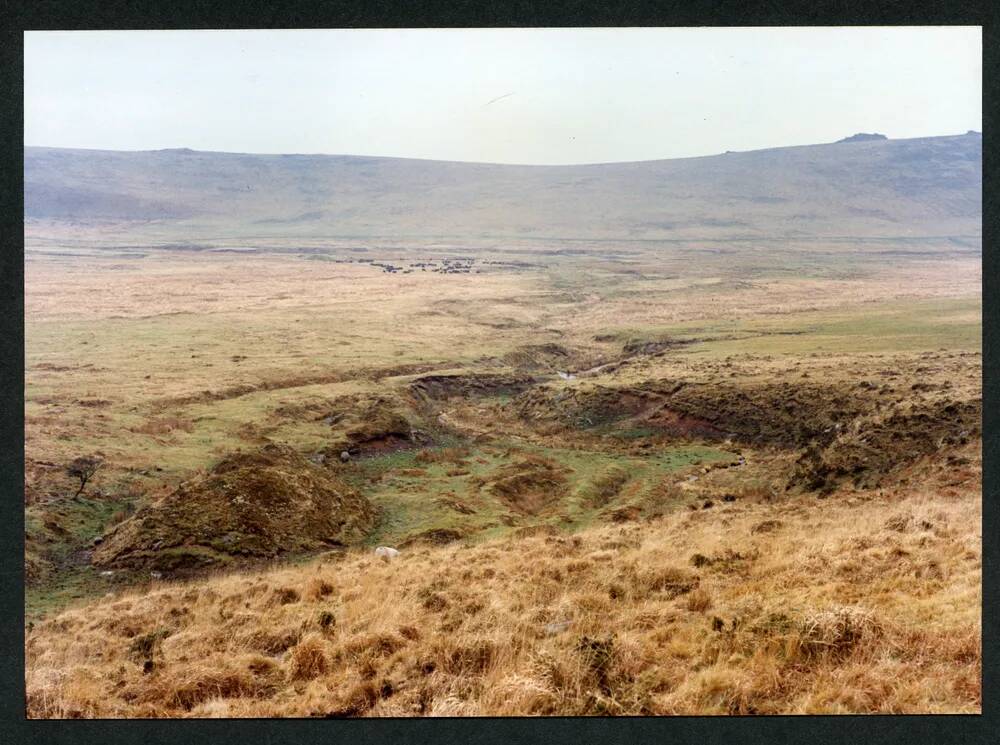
x=643, y=474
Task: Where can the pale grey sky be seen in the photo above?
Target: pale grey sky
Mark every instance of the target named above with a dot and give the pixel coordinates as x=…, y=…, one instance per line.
x=498, y=95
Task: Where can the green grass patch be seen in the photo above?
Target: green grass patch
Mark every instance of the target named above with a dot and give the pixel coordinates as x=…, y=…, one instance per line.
x=953, y=324
x=415, y=495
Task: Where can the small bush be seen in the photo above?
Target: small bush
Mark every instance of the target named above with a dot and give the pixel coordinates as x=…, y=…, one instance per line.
x=272, y=642
x=837, y=631
x=317, y=589
x=285, y=596
x=358, y=700
x=203, y=684
x=899, y=523
x=672, y=581
x=698, y=601
x=473, y=658
x=409, y=632
x=308, y=659
x=143, y=647
x=374, y=645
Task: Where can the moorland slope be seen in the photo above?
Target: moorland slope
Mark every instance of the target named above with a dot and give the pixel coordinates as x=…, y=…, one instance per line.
x=906, y=189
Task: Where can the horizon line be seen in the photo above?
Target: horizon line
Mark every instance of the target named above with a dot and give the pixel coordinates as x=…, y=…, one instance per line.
x=484, y=163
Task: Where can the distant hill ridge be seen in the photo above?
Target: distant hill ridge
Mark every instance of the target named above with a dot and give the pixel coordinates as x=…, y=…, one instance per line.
x=876, y=187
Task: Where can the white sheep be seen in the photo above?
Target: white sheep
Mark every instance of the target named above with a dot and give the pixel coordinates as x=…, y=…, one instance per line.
x=386, y=553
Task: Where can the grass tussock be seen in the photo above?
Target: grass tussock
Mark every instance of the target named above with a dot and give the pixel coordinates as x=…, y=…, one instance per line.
x=164, y=426
x=855, y=604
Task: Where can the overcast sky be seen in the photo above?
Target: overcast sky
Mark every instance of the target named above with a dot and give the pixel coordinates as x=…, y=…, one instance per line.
x=503, y=96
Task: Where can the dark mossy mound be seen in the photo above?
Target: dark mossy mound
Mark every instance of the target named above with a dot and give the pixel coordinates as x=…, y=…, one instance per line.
x=443, y=387
x=785, y=414
x=250, y=505
x=871, y=451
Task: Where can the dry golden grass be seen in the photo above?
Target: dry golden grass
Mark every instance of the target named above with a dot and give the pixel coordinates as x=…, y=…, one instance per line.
x=861, y=602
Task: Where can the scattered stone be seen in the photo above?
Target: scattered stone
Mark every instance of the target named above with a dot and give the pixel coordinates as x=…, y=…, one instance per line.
x=107, y=573
x=344, y=456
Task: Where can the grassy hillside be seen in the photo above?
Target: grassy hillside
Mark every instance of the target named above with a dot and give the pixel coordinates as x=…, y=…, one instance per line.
x=859, y=602
x=907, y=189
